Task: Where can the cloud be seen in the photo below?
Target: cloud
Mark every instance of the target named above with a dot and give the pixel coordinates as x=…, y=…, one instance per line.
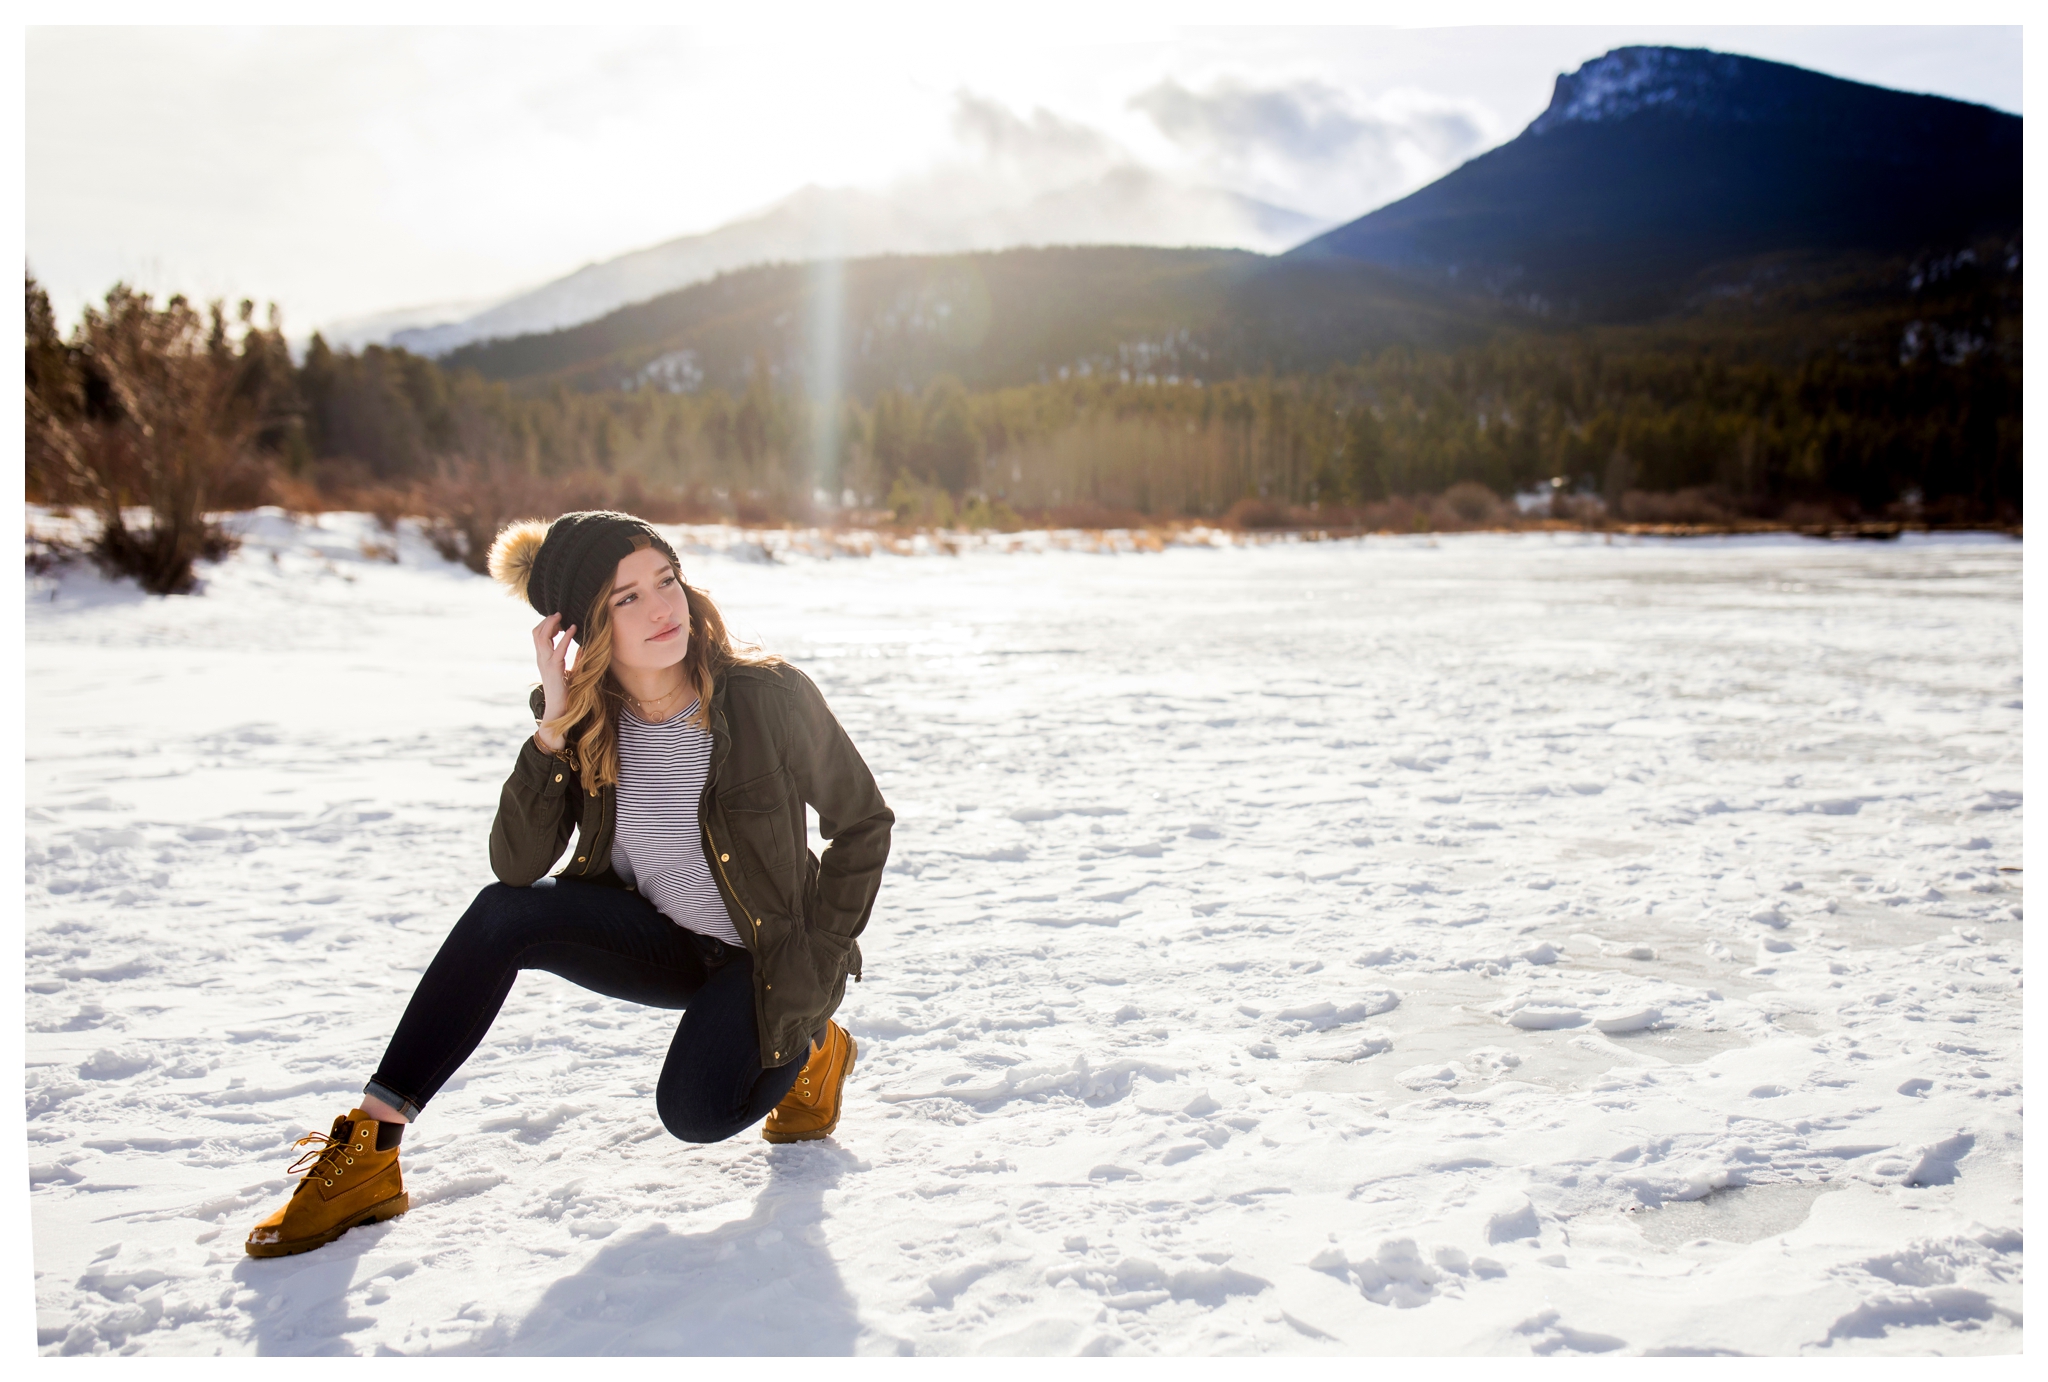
x=1044, y=141
x=1307, y=135
x=1444, y=133
x=1042, y=178
x=1307, y=122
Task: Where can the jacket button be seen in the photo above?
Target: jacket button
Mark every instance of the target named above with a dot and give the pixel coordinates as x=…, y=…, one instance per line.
x=757, y=921
x=778, y=1056
x=579, y=858
x=725, y=858
x=558, y=777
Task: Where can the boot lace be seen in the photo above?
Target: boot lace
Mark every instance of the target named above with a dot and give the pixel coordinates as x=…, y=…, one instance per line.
x=325, y=1150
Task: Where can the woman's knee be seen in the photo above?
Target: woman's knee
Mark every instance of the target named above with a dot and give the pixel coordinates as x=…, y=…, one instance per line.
x=691, y=1124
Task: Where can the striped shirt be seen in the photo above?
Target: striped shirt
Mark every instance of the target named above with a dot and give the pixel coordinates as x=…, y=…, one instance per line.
x=658, y=846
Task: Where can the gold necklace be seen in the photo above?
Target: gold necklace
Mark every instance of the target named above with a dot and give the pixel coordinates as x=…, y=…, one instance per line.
x=681, y=687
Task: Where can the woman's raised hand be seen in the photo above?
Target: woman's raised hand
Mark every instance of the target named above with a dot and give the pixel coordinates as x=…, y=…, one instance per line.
x=551, y=654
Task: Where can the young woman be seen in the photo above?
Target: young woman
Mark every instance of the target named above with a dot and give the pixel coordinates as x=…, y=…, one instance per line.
x=683, y=768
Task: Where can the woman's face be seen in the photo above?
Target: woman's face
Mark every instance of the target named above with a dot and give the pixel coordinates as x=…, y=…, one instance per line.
x=650, y=614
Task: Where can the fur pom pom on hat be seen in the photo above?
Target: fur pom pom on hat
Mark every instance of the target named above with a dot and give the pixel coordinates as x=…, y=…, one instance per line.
x=559, y=567
x=512, y=554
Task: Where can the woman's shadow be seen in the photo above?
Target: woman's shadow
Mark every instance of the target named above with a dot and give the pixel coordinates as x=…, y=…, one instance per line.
x=765, y=1284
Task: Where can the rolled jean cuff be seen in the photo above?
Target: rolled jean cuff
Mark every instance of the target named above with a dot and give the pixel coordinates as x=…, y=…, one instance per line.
x=375, y=1090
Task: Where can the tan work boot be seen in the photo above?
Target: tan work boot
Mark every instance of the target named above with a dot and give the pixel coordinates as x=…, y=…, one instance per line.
x=349, y=1182
x=811, y=1108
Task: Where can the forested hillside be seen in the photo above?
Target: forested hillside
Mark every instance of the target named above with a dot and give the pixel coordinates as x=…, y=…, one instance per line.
x=996, y=319
x=1894, y=392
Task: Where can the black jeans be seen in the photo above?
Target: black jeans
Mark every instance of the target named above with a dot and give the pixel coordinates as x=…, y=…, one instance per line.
x=616, y=943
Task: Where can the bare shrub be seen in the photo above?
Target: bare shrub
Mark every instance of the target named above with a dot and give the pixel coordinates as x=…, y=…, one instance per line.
x=753, y=511
x=1400, y=515
x=47, y=552
x=1698, y=506
x=1396, y=515
x=334, y=485
x=387, y=506
x=1964, y=511
x=661, y=506
x=155, y=407
x=1804, y=513
x=1589, y=510
x=1255, y=515
x=1090, y=516
x=1473, y=504
x=468, y=501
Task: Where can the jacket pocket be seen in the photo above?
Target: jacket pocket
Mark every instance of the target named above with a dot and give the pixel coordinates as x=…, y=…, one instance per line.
x=833, y=958
x=757, y=813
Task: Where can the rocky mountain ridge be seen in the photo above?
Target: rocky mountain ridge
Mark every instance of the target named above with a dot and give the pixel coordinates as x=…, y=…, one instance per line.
x=1655, y=169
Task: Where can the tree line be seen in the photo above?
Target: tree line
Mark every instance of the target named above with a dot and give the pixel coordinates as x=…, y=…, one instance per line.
x=186, y=410
x=1861, y=435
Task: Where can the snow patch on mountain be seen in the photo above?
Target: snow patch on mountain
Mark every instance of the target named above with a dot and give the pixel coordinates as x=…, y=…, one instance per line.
x=1628, y=81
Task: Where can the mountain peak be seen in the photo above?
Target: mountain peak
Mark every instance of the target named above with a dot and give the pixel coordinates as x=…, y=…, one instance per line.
x=1680, y=81
x=1654, y=165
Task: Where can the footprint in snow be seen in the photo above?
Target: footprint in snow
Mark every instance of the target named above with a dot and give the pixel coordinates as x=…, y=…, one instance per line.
x=533, y=1127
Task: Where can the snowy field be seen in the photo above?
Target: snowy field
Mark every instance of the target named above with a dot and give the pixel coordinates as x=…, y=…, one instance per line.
x=1493, y=945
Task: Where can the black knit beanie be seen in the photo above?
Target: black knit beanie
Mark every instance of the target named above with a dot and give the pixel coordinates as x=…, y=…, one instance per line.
x=580, y=555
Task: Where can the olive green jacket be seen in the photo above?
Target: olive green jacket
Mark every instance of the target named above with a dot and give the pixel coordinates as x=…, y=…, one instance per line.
x=775, y=749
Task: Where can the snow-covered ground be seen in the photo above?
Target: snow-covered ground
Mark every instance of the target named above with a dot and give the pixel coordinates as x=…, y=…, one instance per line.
x=1483, y=945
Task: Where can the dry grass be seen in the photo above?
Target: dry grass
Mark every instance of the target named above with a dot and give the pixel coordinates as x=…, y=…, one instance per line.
x=468, y=501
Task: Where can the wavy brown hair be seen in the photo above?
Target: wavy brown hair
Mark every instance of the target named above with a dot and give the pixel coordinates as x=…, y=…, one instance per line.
x=595, y=699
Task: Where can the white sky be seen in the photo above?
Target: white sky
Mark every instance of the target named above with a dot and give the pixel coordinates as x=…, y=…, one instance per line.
x=344, y=171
